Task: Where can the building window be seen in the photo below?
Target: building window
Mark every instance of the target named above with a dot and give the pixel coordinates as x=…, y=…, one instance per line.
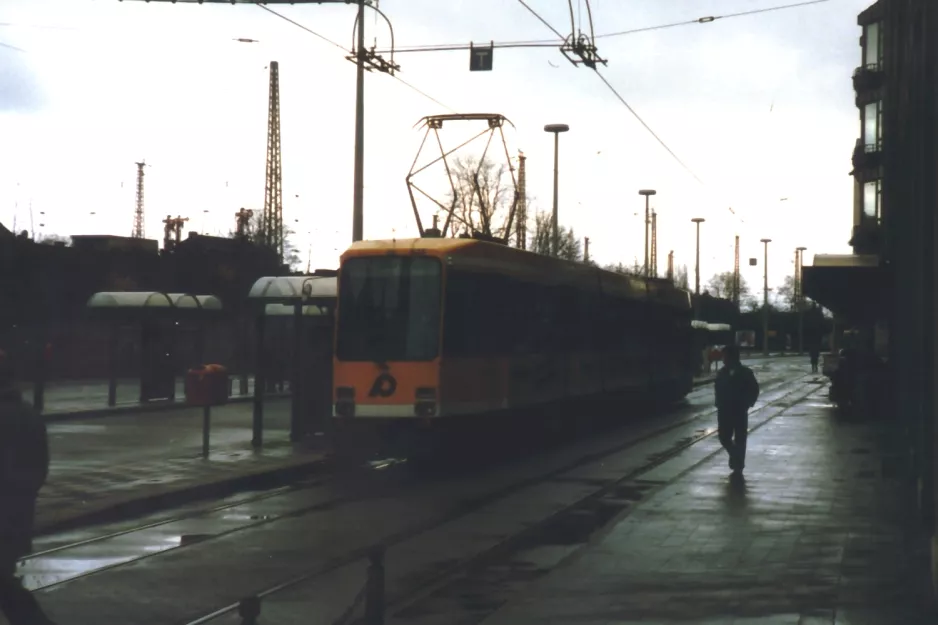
x=873, y=45
x=872, y=126
x=873, y=200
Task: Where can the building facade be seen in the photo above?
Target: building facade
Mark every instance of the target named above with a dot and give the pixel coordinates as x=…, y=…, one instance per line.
x=890, y=280
x=868, y=83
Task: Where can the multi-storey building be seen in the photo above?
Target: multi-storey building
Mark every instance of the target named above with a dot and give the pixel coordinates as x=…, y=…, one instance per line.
x=868, y=82
x=890, y=281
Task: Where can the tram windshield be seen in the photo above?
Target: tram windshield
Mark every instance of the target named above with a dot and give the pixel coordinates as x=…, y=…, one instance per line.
x=389, y=309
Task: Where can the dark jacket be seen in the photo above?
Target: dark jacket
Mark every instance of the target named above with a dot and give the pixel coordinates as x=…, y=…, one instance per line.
x=735, y=389
x=24, y=466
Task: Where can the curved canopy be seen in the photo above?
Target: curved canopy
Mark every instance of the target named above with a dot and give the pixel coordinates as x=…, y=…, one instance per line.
x=719, y=327
x=130, y=299
x=286, y=310
x=199, y=302
x=290, y=288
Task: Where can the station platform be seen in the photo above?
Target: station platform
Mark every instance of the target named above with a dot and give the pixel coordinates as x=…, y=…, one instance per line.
x=63, y=398
x=822, y=530
x=138, y=462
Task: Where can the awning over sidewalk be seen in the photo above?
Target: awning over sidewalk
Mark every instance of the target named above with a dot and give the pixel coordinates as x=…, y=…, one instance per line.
x=852, y=285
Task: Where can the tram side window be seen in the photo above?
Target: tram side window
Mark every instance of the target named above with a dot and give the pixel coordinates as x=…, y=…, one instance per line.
x=477, y=316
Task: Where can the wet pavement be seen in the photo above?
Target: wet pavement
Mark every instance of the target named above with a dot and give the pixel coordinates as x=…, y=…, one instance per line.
x=432, y=524
x=100, y=463
x=820, y=531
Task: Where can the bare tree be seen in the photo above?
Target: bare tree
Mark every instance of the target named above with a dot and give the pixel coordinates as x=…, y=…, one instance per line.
x=680, y=278
x=484, y=195
x=569, y=247
x=785, y=294
x=721, y=285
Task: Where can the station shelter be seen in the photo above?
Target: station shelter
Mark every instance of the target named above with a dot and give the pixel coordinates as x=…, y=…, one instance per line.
x=165, y=322
x=304, y=308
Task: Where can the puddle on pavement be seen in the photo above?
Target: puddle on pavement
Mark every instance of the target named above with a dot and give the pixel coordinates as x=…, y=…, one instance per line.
x=62, y=564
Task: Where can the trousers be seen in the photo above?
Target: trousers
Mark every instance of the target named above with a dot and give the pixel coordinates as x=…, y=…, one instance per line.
x=16, y=518
x=733, y=430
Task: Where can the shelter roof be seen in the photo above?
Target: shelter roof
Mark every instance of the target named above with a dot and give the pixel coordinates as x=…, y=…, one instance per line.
x=286, y=289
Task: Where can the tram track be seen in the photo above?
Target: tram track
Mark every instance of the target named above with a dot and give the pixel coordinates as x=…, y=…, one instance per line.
x=441, y=577
x=36, y=567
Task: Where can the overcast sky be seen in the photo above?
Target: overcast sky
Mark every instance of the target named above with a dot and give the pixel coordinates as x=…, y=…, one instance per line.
x=758, y=108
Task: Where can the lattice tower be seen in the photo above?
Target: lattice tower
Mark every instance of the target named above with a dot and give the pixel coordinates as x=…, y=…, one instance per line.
x=654, y=245
x=272, y=222
x=138, y=231
x=521, y=213
x=671, y=265
x=736, y=284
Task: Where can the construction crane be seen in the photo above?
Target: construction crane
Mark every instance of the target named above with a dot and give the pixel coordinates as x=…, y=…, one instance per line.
x=138, y=231
x=272, y=221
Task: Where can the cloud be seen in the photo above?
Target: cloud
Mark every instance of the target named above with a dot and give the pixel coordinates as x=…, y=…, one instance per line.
x=19, y=88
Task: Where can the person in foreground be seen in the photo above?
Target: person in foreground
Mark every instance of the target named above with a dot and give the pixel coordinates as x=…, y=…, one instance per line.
x=736, y=390
x=24, y=466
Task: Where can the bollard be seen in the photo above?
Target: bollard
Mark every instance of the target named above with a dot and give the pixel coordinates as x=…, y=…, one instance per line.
x=249, y=609
x=374, y=595
x=206, y=428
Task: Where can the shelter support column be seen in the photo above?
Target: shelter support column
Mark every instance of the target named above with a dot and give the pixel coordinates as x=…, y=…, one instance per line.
x=260, y=383
x=297, y=386
x=113, y=344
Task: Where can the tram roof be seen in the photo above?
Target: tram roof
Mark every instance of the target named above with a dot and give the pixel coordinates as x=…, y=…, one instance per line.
x=501, y=259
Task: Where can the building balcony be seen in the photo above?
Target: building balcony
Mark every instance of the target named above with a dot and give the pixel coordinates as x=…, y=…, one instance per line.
x=867, y=79
x=867, y=238
x=866, y=156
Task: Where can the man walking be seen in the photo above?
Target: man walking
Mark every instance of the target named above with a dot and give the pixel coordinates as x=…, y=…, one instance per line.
x=736, y=391
x=815, y=354
x=24, y=465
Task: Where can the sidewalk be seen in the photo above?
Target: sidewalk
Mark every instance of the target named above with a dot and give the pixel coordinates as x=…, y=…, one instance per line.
x=86, y=398
x=137, y=462
x=821, y=531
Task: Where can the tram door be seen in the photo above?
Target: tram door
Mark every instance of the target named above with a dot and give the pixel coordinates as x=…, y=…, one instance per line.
x=157, y=373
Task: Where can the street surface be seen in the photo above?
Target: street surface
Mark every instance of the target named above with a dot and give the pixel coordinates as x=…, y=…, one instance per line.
x=469, y=545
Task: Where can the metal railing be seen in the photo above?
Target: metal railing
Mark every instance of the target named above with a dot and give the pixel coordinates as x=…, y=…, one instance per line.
x=371, y=595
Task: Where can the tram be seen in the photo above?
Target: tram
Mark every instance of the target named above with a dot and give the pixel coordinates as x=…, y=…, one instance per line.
x=434, y=331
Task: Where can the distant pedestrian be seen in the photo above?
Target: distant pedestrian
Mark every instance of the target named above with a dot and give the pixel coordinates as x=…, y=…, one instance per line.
x=815, y=354
x=736, y=391
x=24, y=465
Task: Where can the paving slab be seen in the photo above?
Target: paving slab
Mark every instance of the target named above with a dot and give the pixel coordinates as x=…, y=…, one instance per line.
x=133, y=463
x=822, y=530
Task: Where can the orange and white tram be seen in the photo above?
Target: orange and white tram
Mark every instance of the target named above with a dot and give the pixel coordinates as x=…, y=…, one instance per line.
x=434, y=330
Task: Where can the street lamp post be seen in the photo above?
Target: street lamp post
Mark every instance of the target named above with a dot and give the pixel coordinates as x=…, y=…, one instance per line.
x=799, y=300
x=358, y=196
x=698, y=221
x=555, y=227
x=647, y=193
x=765, y=299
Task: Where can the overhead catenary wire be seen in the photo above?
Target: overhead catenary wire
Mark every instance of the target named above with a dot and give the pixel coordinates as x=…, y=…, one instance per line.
x=549, y=43
x=347, y=51
x=644, y=124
